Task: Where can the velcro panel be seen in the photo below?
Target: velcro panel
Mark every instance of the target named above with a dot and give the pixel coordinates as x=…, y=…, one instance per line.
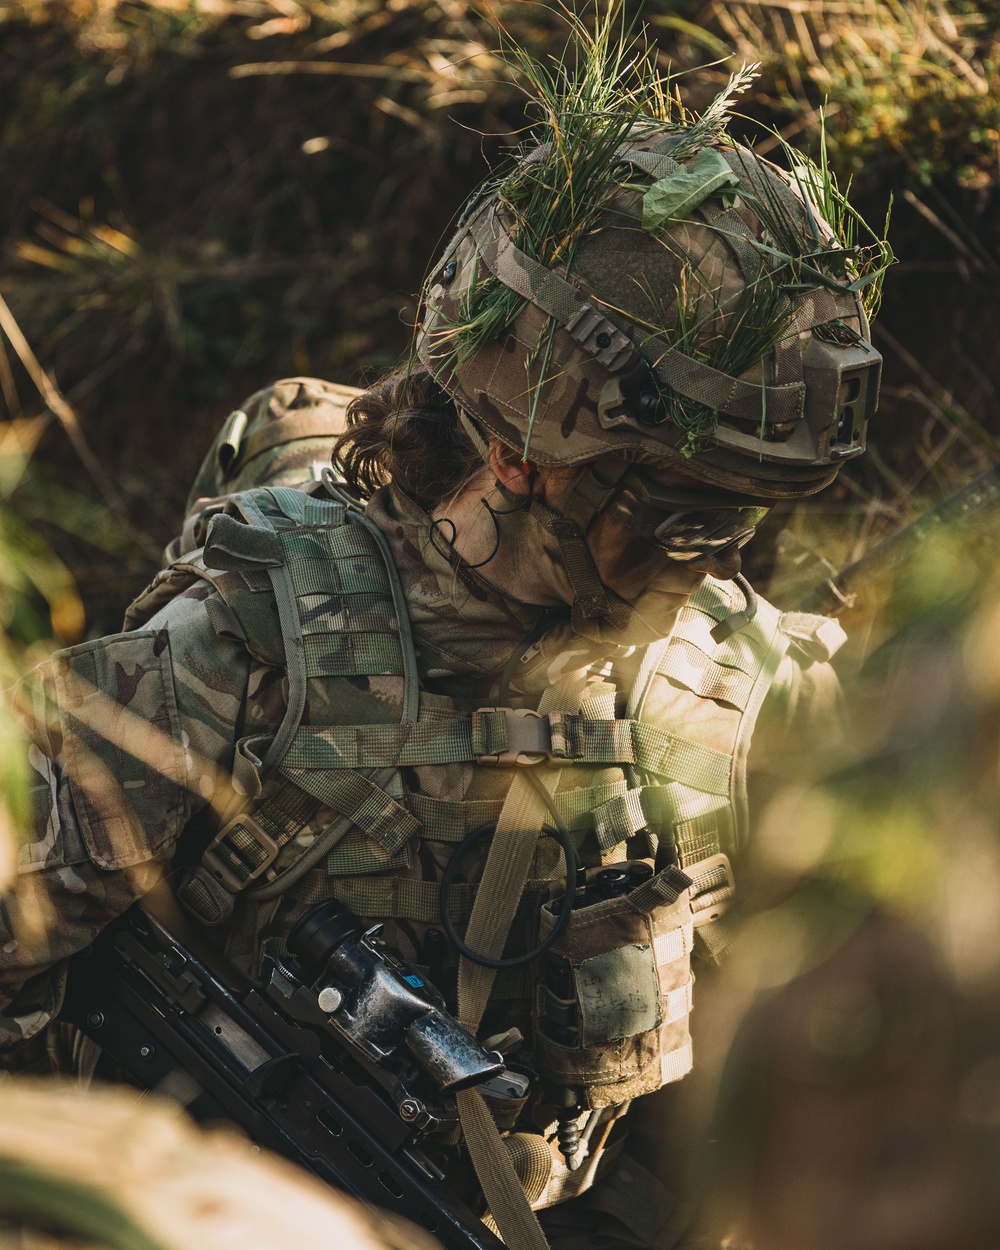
x=121, y=748
x=619, y=994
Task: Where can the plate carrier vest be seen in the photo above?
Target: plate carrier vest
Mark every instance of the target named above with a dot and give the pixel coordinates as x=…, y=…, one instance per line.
x=309, y=585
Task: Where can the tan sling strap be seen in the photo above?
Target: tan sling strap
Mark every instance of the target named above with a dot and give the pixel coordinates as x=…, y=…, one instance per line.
x=504, y=876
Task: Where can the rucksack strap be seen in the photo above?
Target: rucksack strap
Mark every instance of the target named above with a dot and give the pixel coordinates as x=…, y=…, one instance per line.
x=500, y=890
x=309, y=549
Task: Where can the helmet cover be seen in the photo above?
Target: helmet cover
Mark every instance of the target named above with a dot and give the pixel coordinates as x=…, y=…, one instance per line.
x=695, y=306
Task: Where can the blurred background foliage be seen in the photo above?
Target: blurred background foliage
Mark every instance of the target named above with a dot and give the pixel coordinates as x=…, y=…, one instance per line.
x=204, y=195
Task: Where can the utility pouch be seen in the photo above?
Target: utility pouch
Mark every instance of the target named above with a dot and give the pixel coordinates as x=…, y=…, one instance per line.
x=614, y=991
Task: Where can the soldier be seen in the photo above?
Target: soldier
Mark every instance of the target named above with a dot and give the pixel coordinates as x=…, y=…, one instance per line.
x=531, y=647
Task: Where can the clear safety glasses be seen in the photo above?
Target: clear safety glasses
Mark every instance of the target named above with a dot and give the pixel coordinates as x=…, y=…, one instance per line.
x=688, y=524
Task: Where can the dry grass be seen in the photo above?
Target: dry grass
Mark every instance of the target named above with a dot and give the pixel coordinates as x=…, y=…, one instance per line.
x=914, y=84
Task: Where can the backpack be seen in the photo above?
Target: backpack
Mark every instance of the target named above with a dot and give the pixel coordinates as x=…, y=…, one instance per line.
x=281, y=436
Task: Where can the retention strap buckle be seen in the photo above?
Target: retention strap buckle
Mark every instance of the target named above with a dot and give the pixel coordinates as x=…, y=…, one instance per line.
x=505, y=737
x=239, y=853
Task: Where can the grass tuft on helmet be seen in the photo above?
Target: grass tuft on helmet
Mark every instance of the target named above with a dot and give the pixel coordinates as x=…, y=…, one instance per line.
x=636, y=283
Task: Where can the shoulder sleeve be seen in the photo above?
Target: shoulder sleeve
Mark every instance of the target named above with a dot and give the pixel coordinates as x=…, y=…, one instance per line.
x=801, y=728
x=128, y=737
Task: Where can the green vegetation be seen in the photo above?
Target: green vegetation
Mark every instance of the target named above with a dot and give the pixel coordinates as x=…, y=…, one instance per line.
x=914, y=84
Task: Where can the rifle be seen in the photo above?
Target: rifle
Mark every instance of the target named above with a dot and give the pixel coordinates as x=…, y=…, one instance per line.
x=969, y=503
x=343, y=1060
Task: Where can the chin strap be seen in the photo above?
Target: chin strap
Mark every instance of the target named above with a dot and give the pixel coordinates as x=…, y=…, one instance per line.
x=589, y=494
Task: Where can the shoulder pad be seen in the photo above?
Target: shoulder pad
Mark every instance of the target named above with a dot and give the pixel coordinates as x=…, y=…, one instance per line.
x=113, y=709
x=165, y=586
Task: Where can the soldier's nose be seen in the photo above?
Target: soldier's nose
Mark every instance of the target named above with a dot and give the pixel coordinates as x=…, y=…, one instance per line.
x=724, y=565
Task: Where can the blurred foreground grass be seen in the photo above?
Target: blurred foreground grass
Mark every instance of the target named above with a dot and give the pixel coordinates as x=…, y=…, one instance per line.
x=855, y=1032
x=39, y=604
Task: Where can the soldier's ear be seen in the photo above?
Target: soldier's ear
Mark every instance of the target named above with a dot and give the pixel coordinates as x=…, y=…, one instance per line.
x=509, y=469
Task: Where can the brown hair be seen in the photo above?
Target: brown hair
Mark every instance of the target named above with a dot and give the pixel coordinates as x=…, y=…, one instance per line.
x=405, y=429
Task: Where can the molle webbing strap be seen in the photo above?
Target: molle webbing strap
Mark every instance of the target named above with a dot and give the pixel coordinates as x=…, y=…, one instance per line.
x=736, y=233
x=768, y=192
x=588, y=496
x=631, y=812
x=687, y=664
x=258, y=508
x=354, y=795
x=705, y=827
x=665, y=887
x=590, y=597
x=342, y=613
x=702, y=835
x=501, y=889
x=574, y=738
x=508, y=1205
x=449, y=820
x=657, y=164
x=747, y=401
x=379, y=897
x=816, y=308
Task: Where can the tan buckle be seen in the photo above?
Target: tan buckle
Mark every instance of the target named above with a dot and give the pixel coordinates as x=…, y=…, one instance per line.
x=714, y=900
x=529, y=739
x=222, y=871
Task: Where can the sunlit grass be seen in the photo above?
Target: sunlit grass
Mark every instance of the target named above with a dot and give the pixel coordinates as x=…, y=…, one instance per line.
x=914, y=84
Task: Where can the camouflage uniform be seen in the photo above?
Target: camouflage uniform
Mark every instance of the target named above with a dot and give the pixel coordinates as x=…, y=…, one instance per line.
x=174, y=696
x=146, y=743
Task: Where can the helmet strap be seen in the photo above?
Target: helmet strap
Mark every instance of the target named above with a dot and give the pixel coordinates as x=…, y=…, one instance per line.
x=473, y=433
x=588, y=495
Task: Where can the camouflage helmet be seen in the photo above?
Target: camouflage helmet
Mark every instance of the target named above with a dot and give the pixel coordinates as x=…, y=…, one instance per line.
x=707, y=312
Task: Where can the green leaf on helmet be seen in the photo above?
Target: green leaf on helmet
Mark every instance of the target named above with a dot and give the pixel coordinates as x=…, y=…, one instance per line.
x=677, y=196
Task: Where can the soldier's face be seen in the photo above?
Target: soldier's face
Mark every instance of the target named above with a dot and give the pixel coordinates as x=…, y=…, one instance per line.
x=629, y=560
x=629, y=563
